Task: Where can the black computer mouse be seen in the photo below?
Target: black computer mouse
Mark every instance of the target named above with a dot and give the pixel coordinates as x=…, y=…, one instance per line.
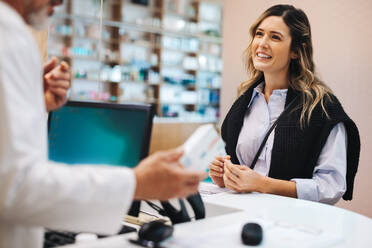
x=252, y=234
x=155, y=231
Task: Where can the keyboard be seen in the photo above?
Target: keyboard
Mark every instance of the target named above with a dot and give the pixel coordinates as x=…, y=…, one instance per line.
x=54, y=238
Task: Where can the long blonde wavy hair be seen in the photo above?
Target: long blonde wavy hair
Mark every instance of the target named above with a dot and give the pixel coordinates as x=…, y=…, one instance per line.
x=302, y=69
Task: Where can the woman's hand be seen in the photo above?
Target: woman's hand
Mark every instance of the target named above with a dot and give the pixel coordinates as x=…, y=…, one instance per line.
x=216, y=170
x=242, y=178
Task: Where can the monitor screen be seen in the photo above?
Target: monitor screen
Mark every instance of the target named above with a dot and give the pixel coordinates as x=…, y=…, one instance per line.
x=100, y=133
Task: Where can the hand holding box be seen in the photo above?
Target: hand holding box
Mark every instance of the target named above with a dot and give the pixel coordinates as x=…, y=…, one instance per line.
x=202, y=147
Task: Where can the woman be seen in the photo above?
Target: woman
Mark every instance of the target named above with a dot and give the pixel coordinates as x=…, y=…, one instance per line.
x=313, y=151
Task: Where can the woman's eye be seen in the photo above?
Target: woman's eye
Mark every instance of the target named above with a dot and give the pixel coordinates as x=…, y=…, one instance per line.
x=259, y=33
x=276, y=37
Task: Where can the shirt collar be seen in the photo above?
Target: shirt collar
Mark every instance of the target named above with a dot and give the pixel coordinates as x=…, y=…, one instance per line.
x=260, y=89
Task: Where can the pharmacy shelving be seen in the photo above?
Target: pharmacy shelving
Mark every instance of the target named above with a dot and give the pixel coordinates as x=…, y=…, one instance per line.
x=164, y=52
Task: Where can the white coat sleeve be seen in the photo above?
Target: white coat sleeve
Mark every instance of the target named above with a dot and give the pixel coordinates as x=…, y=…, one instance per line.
x=33, y=190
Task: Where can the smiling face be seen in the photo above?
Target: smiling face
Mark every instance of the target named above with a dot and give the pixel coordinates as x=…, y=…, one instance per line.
x=271, y=45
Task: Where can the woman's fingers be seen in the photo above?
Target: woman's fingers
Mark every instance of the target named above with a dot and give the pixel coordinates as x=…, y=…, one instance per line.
x=232, y=177
x=220, y=158
x=215, y=170
x=234, y=168
x=218, y=163
x=229, y=183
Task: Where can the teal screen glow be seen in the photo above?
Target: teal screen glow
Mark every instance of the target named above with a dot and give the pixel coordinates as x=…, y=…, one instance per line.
x=88, y=135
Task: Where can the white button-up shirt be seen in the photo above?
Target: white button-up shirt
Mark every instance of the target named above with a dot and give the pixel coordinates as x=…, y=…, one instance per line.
x=34, y=192
x=329, y=177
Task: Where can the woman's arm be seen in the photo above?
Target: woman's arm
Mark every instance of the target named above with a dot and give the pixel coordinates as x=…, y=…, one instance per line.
x=329, y=177
x=278, y=187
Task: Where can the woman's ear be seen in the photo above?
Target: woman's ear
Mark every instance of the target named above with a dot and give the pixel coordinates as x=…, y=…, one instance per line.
x=293, y=55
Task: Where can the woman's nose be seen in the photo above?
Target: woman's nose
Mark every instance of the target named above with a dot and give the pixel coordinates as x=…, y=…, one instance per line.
x=263, y=42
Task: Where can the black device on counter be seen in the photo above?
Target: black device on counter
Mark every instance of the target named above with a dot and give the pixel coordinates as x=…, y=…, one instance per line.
x=181, y=215
x=152, y=233
x=252, y=234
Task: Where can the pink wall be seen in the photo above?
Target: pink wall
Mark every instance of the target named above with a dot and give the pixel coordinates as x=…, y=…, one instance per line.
x=342, y=39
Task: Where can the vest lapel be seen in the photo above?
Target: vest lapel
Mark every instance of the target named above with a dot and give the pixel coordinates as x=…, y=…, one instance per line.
x=236, y=119
x=291, y=94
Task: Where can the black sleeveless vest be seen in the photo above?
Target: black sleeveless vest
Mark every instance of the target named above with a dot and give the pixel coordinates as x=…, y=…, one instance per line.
x=296, y=150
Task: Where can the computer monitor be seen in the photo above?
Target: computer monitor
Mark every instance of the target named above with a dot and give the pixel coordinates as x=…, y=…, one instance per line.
x=100, y=133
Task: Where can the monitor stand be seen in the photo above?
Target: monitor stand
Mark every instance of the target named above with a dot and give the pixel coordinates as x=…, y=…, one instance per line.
x=134, y=208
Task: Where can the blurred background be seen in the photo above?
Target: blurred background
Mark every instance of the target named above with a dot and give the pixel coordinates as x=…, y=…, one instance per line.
x=164, y=52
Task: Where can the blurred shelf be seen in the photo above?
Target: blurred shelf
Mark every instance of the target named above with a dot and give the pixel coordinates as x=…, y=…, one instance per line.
x=182, y=16
x=208, y=88
x=142, y=7
x=177, y=103
x=219, y=2
x=126, y=101
x=210, y=71
x=141, y=27
x=78, y=37
x=130, y=82
x=180, y=67
x=139, y=39
x=208, y=104
x=137, y=43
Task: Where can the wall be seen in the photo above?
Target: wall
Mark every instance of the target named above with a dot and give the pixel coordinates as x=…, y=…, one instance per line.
x=342, y=39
